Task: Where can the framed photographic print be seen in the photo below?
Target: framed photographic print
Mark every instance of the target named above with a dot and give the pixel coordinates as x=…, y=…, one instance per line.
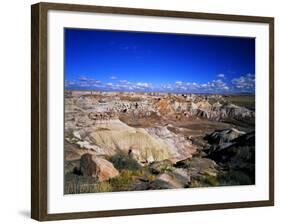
x=138, y=111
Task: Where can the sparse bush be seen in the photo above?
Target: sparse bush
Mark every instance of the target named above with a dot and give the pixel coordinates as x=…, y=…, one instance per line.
x=213, y=181
x=157, y=167
x=150, y=176
x=130, y=172
x=204, y=181
x=196, y=183
x=123, y=181
x=123, y=161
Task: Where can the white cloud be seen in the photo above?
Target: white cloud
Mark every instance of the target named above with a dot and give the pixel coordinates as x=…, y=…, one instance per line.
x=69, y=83
x=245, y=83
x=222, y=76
x=113, y=77
x=213, y=86
x=143, y=84
x=178, y=82
x=124, y=81
x=84, y=84
x=125, y=85
x=83, y=78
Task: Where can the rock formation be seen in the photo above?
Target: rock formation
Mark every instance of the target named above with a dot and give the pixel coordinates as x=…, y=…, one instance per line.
x=96, y=167
x=174, y=140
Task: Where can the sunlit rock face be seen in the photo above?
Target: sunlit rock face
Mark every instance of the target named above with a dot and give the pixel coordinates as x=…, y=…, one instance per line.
x=98, y=168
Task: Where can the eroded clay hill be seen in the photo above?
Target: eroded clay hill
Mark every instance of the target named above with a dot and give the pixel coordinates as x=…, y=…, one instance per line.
x=181, y=135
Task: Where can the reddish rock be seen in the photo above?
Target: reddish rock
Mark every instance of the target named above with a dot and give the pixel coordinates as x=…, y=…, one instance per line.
x=96, y=167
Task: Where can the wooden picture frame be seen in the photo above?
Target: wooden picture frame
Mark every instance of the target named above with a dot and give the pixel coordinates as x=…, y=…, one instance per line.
x=39, y=109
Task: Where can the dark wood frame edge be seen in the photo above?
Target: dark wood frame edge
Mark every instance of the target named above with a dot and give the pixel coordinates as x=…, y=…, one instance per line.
x=39, y=110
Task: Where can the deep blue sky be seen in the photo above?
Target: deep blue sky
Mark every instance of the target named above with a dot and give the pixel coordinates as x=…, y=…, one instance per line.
x=138, y=61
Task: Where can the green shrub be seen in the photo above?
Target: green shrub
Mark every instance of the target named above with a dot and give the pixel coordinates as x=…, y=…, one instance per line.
x=211, y=180
x=129, y=172
x=126, y=179
x=122, y=182
x=123, y=161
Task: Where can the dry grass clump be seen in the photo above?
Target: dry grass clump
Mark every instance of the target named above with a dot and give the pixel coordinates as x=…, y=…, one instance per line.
x=204, y=181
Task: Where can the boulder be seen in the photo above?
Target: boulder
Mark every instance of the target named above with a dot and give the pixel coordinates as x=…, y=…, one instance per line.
x=182, y=175
x=198, y=165
x=178, y=178
x=96, y=167
x=165, y=181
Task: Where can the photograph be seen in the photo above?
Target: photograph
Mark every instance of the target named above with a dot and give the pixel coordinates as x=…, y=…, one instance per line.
x=151, y=111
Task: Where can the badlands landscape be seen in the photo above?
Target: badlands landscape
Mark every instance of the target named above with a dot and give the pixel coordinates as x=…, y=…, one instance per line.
x=129, y=141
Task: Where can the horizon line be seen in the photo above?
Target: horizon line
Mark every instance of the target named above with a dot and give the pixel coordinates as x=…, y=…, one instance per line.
x=175, y=92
